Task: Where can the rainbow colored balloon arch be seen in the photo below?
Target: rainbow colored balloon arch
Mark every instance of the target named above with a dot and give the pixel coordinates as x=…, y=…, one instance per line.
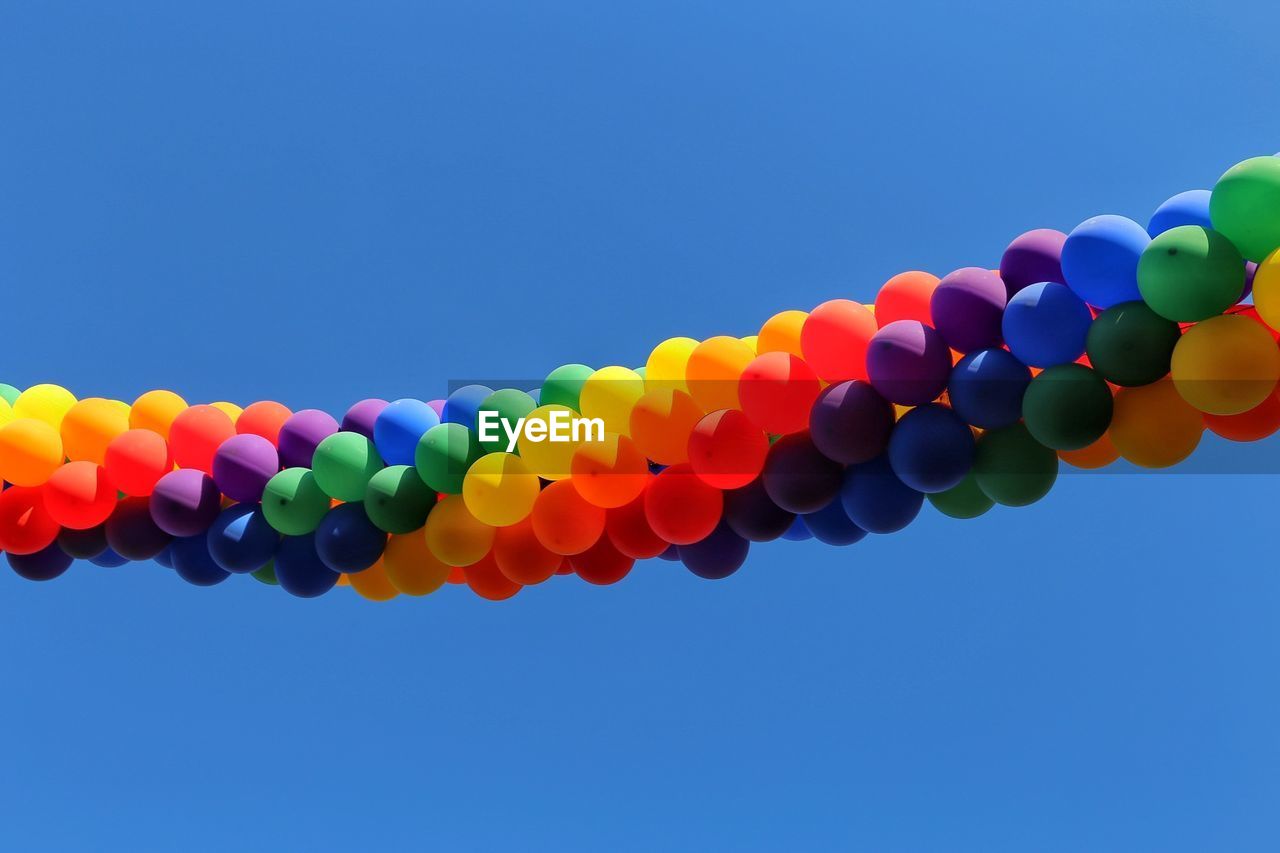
x=967, y=391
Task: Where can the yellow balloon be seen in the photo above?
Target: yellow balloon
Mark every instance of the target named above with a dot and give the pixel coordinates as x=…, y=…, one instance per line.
x=666, y=365
x=1226, y=365
x=155, y=410
x=6, y=412
x=373, y=583
x=231, y=410
x=46, y=403
x=499, y=489
x=781, y=333
x=30, y=451
x=550, y=460
x=715, y=366
x=410, y=565
x=454, y=535
x=1266, y=290
x=89, y=426
x=609, y=394
x=1152, y=425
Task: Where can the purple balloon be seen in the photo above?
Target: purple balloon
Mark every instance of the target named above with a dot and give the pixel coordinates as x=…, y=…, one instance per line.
x=43, y=565
x=851, y=422
x=751, y=513
x=908, y=363
x=132, y=533
x=718, y=556
x=301, y=434
x=185, y=502
x=967, y=306
x=437, y=406
x=360, y=417
x=242, y=466
x=1250, y=270
x=1031, y=258
x=798, y=477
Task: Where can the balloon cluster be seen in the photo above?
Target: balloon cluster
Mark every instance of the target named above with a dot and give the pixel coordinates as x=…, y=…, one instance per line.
x=1110, y=341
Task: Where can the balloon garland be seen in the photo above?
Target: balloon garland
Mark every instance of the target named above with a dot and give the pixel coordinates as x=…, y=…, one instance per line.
x=1111, y=341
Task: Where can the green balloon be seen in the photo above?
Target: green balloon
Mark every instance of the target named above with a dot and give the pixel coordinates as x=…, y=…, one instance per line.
x=1012, y=468
x=9, y=394
x=1131, y=345
x=1067, y=407
x=344, y=463
x=397, y=500
x=443, y=456
x=1245, y=206
x=563, y=385
x=267, y=574
x=511, y=405
x=293, y=502
x=1190, y=273
x=965, y=500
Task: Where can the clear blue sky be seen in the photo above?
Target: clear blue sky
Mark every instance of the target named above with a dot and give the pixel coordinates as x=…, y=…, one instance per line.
x=318, y=202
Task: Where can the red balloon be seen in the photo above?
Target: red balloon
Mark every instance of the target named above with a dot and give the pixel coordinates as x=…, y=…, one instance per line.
x=727, y=450
x=25, y=525
x=136, y=460
x=487, y=580
x=1256, y=424
x=628, y=529
x=79, y=495
x=263, y=418
x=834, y=339
x=602, y=563
x=777, y=390
x=521, y=557
x=196, y=434
x=680, y=507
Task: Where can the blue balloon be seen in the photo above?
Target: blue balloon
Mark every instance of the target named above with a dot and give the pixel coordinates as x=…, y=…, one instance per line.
x=1100, y=260
x=299, y=570
x=193, y=564
x=986, y=388
x=347, y=541
x=671, y=555
x=110, y=559
x=931, y=449
x=398, y=427
x=463, y=406
x=831, y=525
x=1188, y=208
x=718, y=556
x=1046, y=324
x=798, y=531
x=876, y=500
x=165, y=557
x=241, y=540
x=44, y=565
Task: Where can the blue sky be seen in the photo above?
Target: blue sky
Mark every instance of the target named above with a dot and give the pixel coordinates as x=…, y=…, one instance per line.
x=319, y=202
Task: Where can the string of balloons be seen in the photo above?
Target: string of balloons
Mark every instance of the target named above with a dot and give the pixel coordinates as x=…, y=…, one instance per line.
x=965, y=392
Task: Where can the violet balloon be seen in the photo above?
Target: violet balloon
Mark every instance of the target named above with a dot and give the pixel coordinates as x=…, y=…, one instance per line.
x=185, y=502
x=850, y=422
x=1031, y=258
x=908, y=363
x=360, y=417
x=718, y=556
x=301, y=434
x=967, y=306
x=798, y=477
x=242, y=466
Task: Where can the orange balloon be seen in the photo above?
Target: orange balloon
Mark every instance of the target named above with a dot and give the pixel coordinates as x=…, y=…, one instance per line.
x=79, y=495
x=781, y=333
x=30, y=451
x=661, y=423
x=521, y=557
x=563, y=521
x=454, y=535
x=714, y=367
x=263, y=418
x=135, y=460
x=1097, y=455
x=488, y=582
x=196, y=434
x=1153, y=426
x=906, y=296
x=373, y=583
x=89, y=426
x=410, y=565
x=155, y=410
x=609, y=473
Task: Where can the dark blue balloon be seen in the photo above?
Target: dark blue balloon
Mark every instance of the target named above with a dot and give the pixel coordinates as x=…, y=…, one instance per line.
x=299, y=569
x=463, y=406
x=165, y=557
x=1100, y=260
x=986, y=388
x=1046, y=324
x=831, y=525
x=192, y=562
x=110, y=559
x=347, y=541
x=876, y=500
x=718, y=556
x=398, y=428
x=1186, y=208
x=44, y=565
x=931, y=449
x=798, y=531
x=671, y=555
x=241, y=540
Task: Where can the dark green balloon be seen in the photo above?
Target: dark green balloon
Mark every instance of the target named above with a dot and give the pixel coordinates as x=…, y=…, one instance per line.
x=965, y=500
x=1012, y=468
x=563, y=385
x=397, y=501
x=1067, y=407
x=443, y=456
x=511, y=405
x=293, y=502
x=1190, y=273
x=267, y=574
x=1131, y=345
